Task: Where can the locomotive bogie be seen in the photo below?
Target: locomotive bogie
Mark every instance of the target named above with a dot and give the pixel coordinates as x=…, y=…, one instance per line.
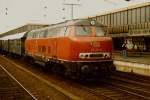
x=87, y=70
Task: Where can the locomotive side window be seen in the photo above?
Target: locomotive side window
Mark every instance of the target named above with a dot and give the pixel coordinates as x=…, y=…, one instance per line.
x=83, y=30
x=49, y=33
x=99, y=31
x=37, y=34
x=34, y=35
x=29, y=35
x=62, y=31
x=42, y=33
x=45, y=33
x=67, y=30
x=52, y=32
x=55, y=31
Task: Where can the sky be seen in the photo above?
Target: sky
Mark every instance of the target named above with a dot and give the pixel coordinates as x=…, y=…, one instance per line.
x=21, y=12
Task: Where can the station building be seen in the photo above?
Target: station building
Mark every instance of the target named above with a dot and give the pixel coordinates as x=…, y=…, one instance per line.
x=130, y=24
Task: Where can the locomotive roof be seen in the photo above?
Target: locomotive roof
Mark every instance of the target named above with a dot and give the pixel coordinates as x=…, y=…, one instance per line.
x=69, y=23
x=14, y=36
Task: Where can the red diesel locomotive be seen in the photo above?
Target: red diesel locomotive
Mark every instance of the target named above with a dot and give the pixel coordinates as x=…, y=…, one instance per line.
x=76, y=48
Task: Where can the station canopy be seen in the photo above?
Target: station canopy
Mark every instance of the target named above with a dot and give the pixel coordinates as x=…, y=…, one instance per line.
x=14, y=36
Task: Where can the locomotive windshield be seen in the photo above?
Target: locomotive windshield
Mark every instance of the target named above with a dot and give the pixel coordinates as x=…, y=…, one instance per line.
x=83, y=30
x=99, y=31
x=88, y=31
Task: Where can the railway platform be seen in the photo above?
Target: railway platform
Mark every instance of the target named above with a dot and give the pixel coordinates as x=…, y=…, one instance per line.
x=135, y=62
x=11, y=89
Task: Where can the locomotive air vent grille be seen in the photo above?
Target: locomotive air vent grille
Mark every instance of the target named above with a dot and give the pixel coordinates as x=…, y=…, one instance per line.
x=96, y=55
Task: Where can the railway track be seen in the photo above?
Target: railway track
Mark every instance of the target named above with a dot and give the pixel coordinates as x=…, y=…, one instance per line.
x=112, y=92
x=68, y=85
x=122, y=86
x=10, y=88
x=118, y=86
x=37, y=86
x=133, y=77
x=136, y=84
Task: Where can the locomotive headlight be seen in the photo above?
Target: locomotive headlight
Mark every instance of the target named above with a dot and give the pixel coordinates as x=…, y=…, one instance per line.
x=84, y=55
x=106, y=55
x=81, y=55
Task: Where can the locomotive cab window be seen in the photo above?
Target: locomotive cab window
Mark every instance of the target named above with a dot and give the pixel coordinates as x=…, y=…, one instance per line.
x=83, y=30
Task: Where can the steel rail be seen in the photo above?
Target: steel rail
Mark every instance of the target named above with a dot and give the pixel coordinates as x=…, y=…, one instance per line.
x=18, y=83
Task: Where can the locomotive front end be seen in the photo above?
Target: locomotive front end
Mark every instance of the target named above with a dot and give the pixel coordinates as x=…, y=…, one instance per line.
x=91, y=50
x=93, y=55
